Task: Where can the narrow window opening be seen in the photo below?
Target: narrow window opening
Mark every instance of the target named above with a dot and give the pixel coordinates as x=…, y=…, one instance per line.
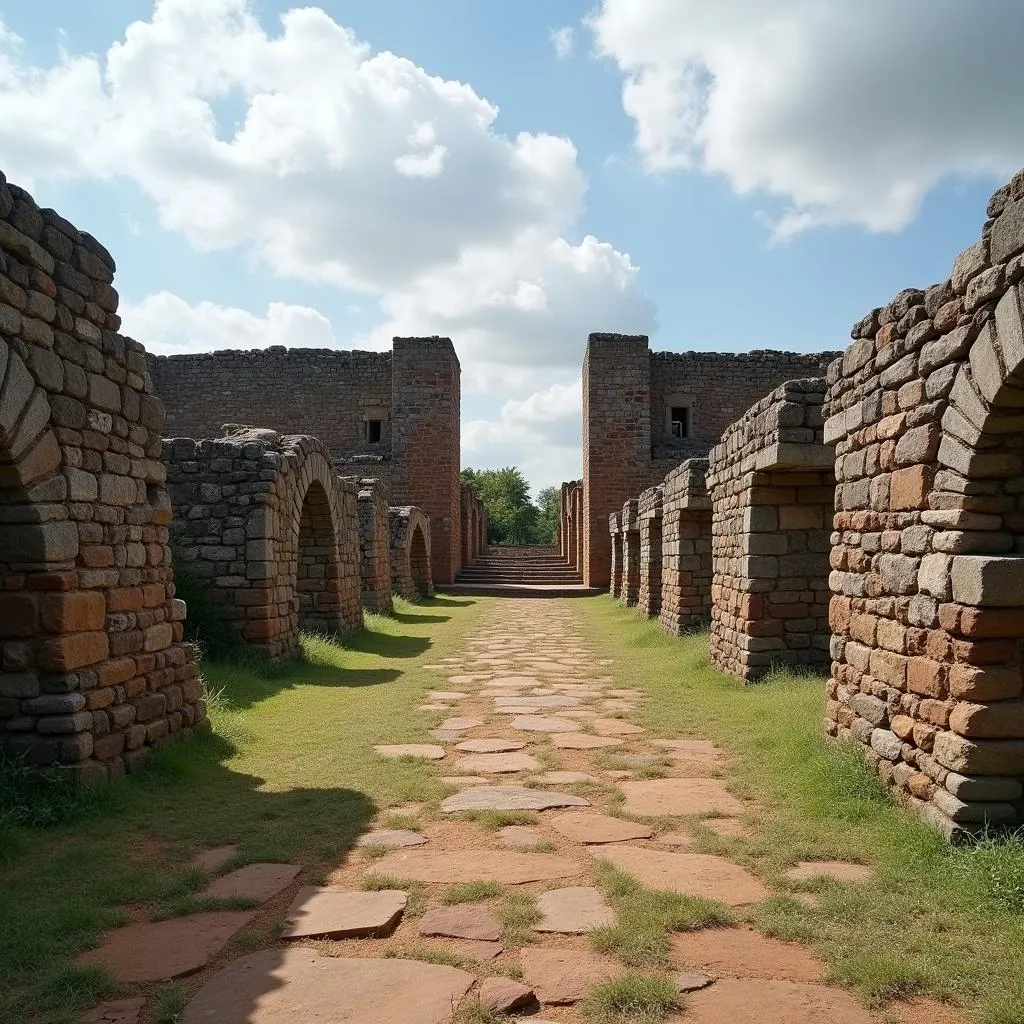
x=372, y=431
x=680, y=421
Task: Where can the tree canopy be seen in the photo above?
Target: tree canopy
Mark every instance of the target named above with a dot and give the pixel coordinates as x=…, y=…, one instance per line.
x=512, y=517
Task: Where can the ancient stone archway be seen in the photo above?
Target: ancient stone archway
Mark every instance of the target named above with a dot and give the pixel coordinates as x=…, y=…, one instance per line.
x=615, y=529
x=772, y=487
x=649, y=512
x=686, y=548
x=630, y=586
x=375, y=546
x=265, y=525
x=410, y=553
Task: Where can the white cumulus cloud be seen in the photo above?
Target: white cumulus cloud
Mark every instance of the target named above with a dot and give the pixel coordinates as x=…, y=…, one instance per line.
x=849, y=111
x=562, y=39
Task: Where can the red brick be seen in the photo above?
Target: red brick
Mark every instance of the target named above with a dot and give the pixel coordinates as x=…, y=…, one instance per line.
x=66, y=653
x=908, y=488
x=78, y=611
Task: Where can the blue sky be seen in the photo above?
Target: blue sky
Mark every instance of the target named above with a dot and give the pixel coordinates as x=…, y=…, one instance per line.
x=754, y=187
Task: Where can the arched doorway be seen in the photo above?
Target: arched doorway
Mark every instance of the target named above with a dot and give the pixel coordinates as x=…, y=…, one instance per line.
x=319, y=566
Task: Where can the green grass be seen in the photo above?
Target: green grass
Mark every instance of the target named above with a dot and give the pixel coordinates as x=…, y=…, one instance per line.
x=644, y=919
x=493, y=820
x=631, y=999
x=286, y=774
x=936, y=919
x=428, y=954
x=170, y=1004
x=417, y=902
x=518, y=913
x=471, y=892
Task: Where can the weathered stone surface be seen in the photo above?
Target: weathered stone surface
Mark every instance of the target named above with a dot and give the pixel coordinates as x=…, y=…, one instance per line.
x=497, y=763
x=691, y=981
x=464, y=921
x=489, y=746
x=542, y=723
x=518, y=836
x=510, y=798
x=770, y=1002
x=743, y=952
x=340, y=914
x=696, y=874
x=161, y=950
x=287, y=986
x=504, y=995
x=573, y=911
x=424, y=750
x=655, y=797
x=446, y=695
x=561, y=976
x=460, y=723
x=553, y=701
x=443, y=866
x=589, y=827
x=254, y=881
x=560, y=778
x=583, y=741
x=615, y=727
x=393, y=838
x=116, y=1011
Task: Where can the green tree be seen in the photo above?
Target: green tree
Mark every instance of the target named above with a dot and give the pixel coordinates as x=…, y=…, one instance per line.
x=512, y=518
x=549, y=507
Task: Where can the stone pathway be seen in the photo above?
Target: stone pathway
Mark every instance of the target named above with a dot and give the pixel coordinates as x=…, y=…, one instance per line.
x=501, y=877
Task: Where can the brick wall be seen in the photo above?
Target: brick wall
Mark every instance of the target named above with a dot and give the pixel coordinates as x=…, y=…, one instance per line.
x=411, y=562
x=92, y=668
x=374, y=546
x=686, y=570
x=629, y=592
x=615, y=529
x=649, y=512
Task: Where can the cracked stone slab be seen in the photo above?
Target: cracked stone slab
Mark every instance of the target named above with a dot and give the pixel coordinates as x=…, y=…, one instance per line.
x=393, y=838
x=543, y=723
x=518, y=836
x=460, y=723
x=573, y=911
x=746, y=1001
x=695, y=874
x=510, y=798
x=161, y=950
x=553, y=701
x=562, y=976
x=466, y=921
x=559, y=778
x=589, y=827
x=583, y=741
x=744, y=952
x=506, y=868
x=254, y=882
x=425, y=750
x=497, y=764
x=489, y=746
x=330, y=913
x=287, y=986
x=677, y=797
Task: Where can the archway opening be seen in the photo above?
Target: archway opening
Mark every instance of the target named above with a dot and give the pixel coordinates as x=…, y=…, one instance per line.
x=419, y=563
x=319, y=570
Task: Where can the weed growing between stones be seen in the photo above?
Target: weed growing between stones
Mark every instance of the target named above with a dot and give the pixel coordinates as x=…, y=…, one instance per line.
x=471, y=892
x=493, y=820
x=428, y=954
x=631, y=999
x=417, y=894
x=170, y=1004
x=518, y=913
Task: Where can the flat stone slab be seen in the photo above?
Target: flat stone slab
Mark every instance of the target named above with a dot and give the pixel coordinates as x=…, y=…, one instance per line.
x=745, y=953
x=618, y=705
x=489, y=746
x=466, y=921
x=514, y=711
x=543, y=723
x=161, y=950
x=840, y=870
x=446, y=695
x=506, y=868
x=694, y=748
x=509, y=798
x=432, y=707
x=676, y=797
x=460, y=723
x=562, y=976
x=426, y=750
x=691, y=981
x=515, y=681
x=254, y=882
x=743, y=1001
x=465, y=780
x=551, y=701
x=590, y=827
x=212, y=859
x=696, y=874
x=393, y=838
x=615, y=727
x=497, y=764
x=518, y=836
x=573, y=911
x=116, y=1011
x=293, y=985
x=343, y=914
x=584, y=741
x=446, y=735
x=680, y=839
x=504, y=995
x=472, y=950
x=559, y=778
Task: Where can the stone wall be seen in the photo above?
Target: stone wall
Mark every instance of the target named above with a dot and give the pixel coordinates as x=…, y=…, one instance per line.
x=629, y=592
x=772, y=488
x=686, y=569
x=615, y=529
x=649, y=512
x=472, y=513
x=374, y=546
x=92, y=668
x=570, y=540
x=412, y=392
x=265, y=523
x=410, y=553
x=629, y=393
x=926, y=409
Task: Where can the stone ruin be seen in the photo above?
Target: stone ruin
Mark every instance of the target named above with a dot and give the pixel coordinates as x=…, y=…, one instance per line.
x=570, y=525
x=615, y=529
x=629, y=579
x=649, y=512
x=474, y=525
x=772, y=487
x=374, y=546
x=686, y=566
x=93, y=671
x=410, y=553
x=266, y=525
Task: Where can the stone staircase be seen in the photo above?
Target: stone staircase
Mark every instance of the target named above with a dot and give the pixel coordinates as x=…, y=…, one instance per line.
x=520, y=571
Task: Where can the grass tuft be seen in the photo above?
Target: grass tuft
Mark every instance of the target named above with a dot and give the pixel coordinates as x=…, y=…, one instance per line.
x=428, y=954
x=493, y=820
x=518, y=913
x=471, y=892
x=170, y=1004
x=632, y=999
x=417, y=903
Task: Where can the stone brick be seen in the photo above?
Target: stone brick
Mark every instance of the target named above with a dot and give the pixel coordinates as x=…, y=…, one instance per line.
x=74, y=612
x=66, y=653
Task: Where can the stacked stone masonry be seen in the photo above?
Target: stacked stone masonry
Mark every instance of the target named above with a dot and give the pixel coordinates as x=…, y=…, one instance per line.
x=772, y=488
x=271, y=531
x=629, y=592
x=686, y=565
x=615, y=529
x=645, y=412
x=474, y=525
x=374, y=546
x=390, y=415
x=93, y=671
x=570, y=537
x=926, y=410
x=649, y=512
x=410, y=553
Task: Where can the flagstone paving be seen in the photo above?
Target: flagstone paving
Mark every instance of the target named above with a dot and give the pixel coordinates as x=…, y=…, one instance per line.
x=532, y=698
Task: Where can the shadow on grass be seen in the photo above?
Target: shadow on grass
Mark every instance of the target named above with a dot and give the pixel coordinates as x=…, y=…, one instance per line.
x=414, y=619
x=387, y=645
x=446, y=601
x=128, y=845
